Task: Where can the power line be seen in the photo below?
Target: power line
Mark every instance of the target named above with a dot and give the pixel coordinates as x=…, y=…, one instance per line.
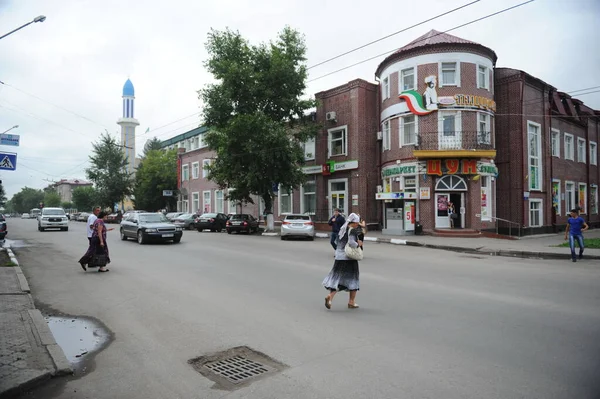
x=170, y=123
x=440, y=33
x=391, y=34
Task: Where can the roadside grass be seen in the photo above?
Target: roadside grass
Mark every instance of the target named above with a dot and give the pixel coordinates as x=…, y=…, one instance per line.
x=5, y=260
x=593, y=243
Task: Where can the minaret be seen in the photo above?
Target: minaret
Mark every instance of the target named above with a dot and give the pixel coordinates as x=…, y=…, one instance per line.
x=128, y=124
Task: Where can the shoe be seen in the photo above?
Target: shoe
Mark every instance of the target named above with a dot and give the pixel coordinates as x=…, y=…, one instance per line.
x=574, y=260
x=103, y=271
x=83, y=266
x=327, y=302
x=355, y=306
x=580, y=256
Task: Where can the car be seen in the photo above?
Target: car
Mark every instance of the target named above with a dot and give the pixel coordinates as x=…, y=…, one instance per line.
x=25, y=216
x=296, y=225
x=174, y=215
x=145, y=227
x=3, y=230
x=53, y=218
x=114, y=218
x=242, y=222
x=128, y=213
x=186, y=220
x=83, y=217
x=211, y=221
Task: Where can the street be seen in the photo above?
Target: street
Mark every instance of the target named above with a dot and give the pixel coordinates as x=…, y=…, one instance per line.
x=431, y=324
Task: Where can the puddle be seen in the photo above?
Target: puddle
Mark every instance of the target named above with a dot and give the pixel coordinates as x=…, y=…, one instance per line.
x=77, y=336
x=15, y=243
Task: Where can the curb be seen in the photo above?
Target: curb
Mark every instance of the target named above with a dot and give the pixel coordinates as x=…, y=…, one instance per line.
x=22, y=280
x=61, y=364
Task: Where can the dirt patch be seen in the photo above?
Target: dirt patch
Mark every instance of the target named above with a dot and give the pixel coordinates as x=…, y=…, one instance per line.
x=5, y=260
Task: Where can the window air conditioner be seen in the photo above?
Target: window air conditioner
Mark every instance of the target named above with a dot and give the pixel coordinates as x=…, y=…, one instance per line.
x=379, y=136
x=330, y=116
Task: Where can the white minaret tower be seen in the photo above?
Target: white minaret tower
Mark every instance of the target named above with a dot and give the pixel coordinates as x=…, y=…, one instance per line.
x=128, y=124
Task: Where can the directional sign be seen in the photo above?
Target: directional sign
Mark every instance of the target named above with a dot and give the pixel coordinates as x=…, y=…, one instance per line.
x=8, y=161
x=167, y=193
x=9, y=139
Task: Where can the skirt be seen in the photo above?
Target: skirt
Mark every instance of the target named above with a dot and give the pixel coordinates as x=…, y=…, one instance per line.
x=344, y=276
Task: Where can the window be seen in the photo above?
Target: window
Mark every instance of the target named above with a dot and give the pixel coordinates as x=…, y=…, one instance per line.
x=386, y=135
x=555, y=143
x=535, y=212
x=486, y=198
x=206, y=201
x=483, y=77
x=569, y=196
x=582, y=197
x=535, y=151
x=196, y=142
x=219, y=202
x=593, y=153
x=569, y=149
x=580, y=150
x=195, y=170
x=338, y=144
x=232, y=204
x=556, y=196
x=408, y=130
x=285, y=200
x=593, y=199
x=484, y=135
x=185, y=205
x=195, y=202
x=185, y=172
x=309, y=149
x=450, y=74
x=309, y=197
x=407, y=79
x=205, y=165
x=201, y=142
x=409, y=183
x=385, y=88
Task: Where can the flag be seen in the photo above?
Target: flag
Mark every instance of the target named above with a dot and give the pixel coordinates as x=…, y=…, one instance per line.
x=414, y=100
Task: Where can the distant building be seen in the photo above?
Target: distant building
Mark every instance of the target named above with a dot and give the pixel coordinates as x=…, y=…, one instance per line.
x=128, y=124
x=65, y=187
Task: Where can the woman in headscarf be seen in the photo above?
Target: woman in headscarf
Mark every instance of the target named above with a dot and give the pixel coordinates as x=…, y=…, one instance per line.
x=344, y=276
x=98, y=243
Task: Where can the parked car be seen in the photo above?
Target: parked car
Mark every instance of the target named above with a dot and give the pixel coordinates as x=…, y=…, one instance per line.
x=83, y=217
x=211, y=221
x=187, y=221
x=242, y=223
x=173, y=215
x=3, y=229
x=297, y=226
x=114, y=218
x=53, y=218
x=25, y=216
x=147, y=227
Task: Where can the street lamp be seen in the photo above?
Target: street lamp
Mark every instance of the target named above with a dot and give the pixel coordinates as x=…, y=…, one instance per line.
x=14, y=127
x=40, y=18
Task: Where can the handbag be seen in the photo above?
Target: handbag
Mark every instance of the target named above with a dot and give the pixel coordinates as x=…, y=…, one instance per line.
x=99, y=260
x=353, y=253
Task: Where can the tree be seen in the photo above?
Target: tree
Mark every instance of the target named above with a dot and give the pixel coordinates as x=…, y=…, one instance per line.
x=109, y=172
x=51, y=199
x=152, y=144
x=2, y=195
x=256, y=114
x=156, y=172
x=85, y=198
x=26, y=199
x=67, y=205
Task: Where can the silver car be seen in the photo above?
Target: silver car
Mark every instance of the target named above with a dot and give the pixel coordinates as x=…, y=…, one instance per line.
x=297, y=226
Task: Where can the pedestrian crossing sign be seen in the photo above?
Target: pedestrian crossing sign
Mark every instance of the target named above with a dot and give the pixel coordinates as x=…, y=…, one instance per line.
x=8, y=161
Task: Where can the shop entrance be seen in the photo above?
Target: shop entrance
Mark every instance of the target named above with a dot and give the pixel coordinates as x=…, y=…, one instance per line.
x=454, y=187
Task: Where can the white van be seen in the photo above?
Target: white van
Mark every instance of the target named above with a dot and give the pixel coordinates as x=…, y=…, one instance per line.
x=53, y=218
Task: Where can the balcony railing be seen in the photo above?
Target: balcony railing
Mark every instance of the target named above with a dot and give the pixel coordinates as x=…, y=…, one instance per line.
x=459, y=140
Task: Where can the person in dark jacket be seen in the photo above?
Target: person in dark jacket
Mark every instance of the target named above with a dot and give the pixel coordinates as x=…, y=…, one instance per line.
x=336, y=222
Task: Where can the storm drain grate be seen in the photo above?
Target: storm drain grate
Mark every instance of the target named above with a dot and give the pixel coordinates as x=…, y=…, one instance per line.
x=237, y=369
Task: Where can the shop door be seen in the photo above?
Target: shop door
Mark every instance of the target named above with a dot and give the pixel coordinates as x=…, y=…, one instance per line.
x=338, y=195
x=442, y=221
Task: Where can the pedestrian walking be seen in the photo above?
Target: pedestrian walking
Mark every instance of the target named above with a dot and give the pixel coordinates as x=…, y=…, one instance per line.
x=98, y=244
x=336, y=222
x=344, y=276
x=574, y=231
x=90, y=222
x=452, y=214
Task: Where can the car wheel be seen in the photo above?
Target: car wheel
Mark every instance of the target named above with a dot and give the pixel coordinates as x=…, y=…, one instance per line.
x=219, y=230
x=140, y=238
x=123, y=236
x=40, y=228
x=228, y=231
x=311, y=238
x=282, y=238
x=199, y=230
x=177, y=240
x=65, y=229
x=191, y=226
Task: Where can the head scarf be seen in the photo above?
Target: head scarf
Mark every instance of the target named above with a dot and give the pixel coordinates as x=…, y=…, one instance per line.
x=352, y=218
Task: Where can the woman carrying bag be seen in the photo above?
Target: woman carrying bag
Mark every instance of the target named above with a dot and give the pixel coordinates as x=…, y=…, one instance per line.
x=344, y=276
x=97, y=253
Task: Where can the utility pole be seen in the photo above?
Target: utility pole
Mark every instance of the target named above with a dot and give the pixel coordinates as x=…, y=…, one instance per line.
x=40, y=18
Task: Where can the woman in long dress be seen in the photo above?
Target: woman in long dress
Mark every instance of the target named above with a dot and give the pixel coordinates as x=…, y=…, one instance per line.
x=344, y=276
x=98, y=243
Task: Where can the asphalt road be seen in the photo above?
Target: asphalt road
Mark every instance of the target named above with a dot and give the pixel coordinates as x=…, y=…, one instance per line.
x=432, y=324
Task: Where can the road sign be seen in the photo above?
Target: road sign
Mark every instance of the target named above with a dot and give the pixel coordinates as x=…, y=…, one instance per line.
x=167, y=193
x=9, y=139
x=8, y=161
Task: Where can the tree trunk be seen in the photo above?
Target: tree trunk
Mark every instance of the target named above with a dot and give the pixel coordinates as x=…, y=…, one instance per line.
x=269, y=212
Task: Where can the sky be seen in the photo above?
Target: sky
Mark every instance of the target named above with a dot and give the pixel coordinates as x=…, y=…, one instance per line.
x=64, y=77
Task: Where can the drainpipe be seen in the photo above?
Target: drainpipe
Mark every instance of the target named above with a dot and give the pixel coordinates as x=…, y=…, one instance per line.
x=380, y=205
x=589, y=170
x=549, y=115
x=523, y=161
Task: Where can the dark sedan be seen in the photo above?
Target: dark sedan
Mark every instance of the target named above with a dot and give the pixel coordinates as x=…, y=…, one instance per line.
x=187, y=221
x=242, y=222
x=147, y=227
x=211, y=221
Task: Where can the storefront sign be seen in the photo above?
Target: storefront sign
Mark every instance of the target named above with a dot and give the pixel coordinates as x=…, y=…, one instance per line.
x=330, y=167
x=424, y=193
x=341, y=166
x=468, y=100
x=400, y=170
x=311, y=170
x=458, y=166
x=392, y=196
x=354, y=199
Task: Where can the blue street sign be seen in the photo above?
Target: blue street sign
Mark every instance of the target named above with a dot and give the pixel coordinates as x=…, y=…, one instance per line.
x=8, y=161
x=9, y=139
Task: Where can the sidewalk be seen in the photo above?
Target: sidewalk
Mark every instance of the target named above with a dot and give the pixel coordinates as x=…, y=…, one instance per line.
x=28, y=352
x=542, y=246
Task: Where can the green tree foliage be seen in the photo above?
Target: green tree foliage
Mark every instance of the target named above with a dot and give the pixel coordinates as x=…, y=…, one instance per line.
x=109, y=172
x=256, y=113
x=152, y=144
x=51, y=199
x=67, y=205
x=2, y=195
x=156, y=172
x=26, y=199
x=85, y=198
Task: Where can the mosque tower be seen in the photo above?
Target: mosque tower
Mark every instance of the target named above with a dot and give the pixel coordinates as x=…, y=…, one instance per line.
x=128, y=124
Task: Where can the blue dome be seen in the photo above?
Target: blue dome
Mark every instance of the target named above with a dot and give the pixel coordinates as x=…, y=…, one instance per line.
x=128, y=89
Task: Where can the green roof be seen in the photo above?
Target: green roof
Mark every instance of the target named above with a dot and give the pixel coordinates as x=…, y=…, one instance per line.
x=184, y=136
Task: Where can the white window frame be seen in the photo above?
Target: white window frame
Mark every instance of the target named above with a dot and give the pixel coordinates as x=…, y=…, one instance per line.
x=303, y=201
x=486, y=118
x=441, y=75
x=195, y=170
x=185, y=204
x=570, y=197
x=569, y=155
x=559, y=210
x=387, y=135
x=488, y=193
x=231, y=204
x=195, y=202
x=221, y=201
x=205, y=163
x=581, y=156
x=401, y=79
x=344, y=141
x=185, y=172
x=401, y=129
x=204, y=202
x=310, y=145
x=385, y=88
x=541, y=210
x=555, y=142
x=594, y=199
x=593, y=153
x=538, y=157
x=279, y=195
x=583, y=209
x=347, y=203
x=486, y=84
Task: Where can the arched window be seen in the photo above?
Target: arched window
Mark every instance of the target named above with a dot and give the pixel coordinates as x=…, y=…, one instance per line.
x=451, y=183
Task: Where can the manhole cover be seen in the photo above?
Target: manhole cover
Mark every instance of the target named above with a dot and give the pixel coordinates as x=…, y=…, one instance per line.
x=236, y=367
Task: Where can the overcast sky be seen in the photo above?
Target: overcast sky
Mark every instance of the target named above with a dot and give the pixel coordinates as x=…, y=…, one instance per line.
x=80, y=57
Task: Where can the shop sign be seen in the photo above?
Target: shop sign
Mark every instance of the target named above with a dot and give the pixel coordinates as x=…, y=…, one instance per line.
x=393, y=196
x=468, y=100
x=354, y=200
x=311, y=170
x=347, y=165
x=458, y=166
x=331, y=166
x=424, y=193
x=400, y=170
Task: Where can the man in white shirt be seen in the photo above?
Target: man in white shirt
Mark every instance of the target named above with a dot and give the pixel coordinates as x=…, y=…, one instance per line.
x=90, y=222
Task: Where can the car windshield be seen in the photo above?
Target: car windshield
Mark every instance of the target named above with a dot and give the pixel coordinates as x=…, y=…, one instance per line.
x=185, y=216
x=239, y=217
x=297, y=217
x=157, y=218
x=209, y=215
x=54, y=212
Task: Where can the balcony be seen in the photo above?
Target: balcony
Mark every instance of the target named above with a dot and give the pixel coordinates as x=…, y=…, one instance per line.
x=464, y=144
